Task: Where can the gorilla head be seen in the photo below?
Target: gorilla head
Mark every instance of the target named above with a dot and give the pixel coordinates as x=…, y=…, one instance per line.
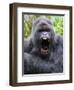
x=42, y=35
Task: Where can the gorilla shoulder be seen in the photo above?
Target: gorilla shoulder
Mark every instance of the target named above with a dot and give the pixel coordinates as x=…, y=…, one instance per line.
x=28, y=45
x=58, y=40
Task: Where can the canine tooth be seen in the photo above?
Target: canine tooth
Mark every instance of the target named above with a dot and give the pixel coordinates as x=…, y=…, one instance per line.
x=45, y=38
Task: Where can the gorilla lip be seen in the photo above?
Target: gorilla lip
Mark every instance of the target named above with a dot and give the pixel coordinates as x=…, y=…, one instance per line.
x=44, y=51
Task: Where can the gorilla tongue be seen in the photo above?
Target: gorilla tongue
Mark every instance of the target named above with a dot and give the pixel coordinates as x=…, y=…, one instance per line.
x=44, y=51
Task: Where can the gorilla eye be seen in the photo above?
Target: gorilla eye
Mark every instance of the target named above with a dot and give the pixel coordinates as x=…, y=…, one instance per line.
x=41, y=30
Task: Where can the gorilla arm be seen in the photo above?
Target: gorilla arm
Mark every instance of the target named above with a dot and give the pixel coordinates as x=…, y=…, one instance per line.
x=28, y=45
x=34, y=64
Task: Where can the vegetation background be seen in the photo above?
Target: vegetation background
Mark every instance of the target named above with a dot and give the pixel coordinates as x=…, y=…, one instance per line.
x=57, y=23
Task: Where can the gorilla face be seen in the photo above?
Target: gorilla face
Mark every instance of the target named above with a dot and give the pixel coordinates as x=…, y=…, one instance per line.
x=42, y=34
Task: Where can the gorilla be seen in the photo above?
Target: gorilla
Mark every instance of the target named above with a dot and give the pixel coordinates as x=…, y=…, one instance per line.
x=43, y=52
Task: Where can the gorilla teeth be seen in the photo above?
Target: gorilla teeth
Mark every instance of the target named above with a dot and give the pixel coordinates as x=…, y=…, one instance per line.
x=45, y=38
x=43, y=51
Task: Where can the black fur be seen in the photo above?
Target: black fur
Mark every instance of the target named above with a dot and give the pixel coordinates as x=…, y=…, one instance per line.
x=34, y=61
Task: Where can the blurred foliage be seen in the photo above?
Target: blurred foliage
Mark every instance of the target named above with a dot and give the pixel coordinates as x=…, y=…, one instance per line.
x=57, y=24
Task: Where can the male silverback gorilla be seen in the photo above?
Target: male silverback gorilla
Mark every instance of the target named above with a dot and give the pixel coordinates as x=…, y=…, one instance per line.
x=43, y=53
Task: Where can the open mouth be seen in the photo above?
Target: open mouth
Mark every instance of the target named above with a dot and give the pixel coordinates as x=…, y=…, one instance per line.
x=44, y=46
